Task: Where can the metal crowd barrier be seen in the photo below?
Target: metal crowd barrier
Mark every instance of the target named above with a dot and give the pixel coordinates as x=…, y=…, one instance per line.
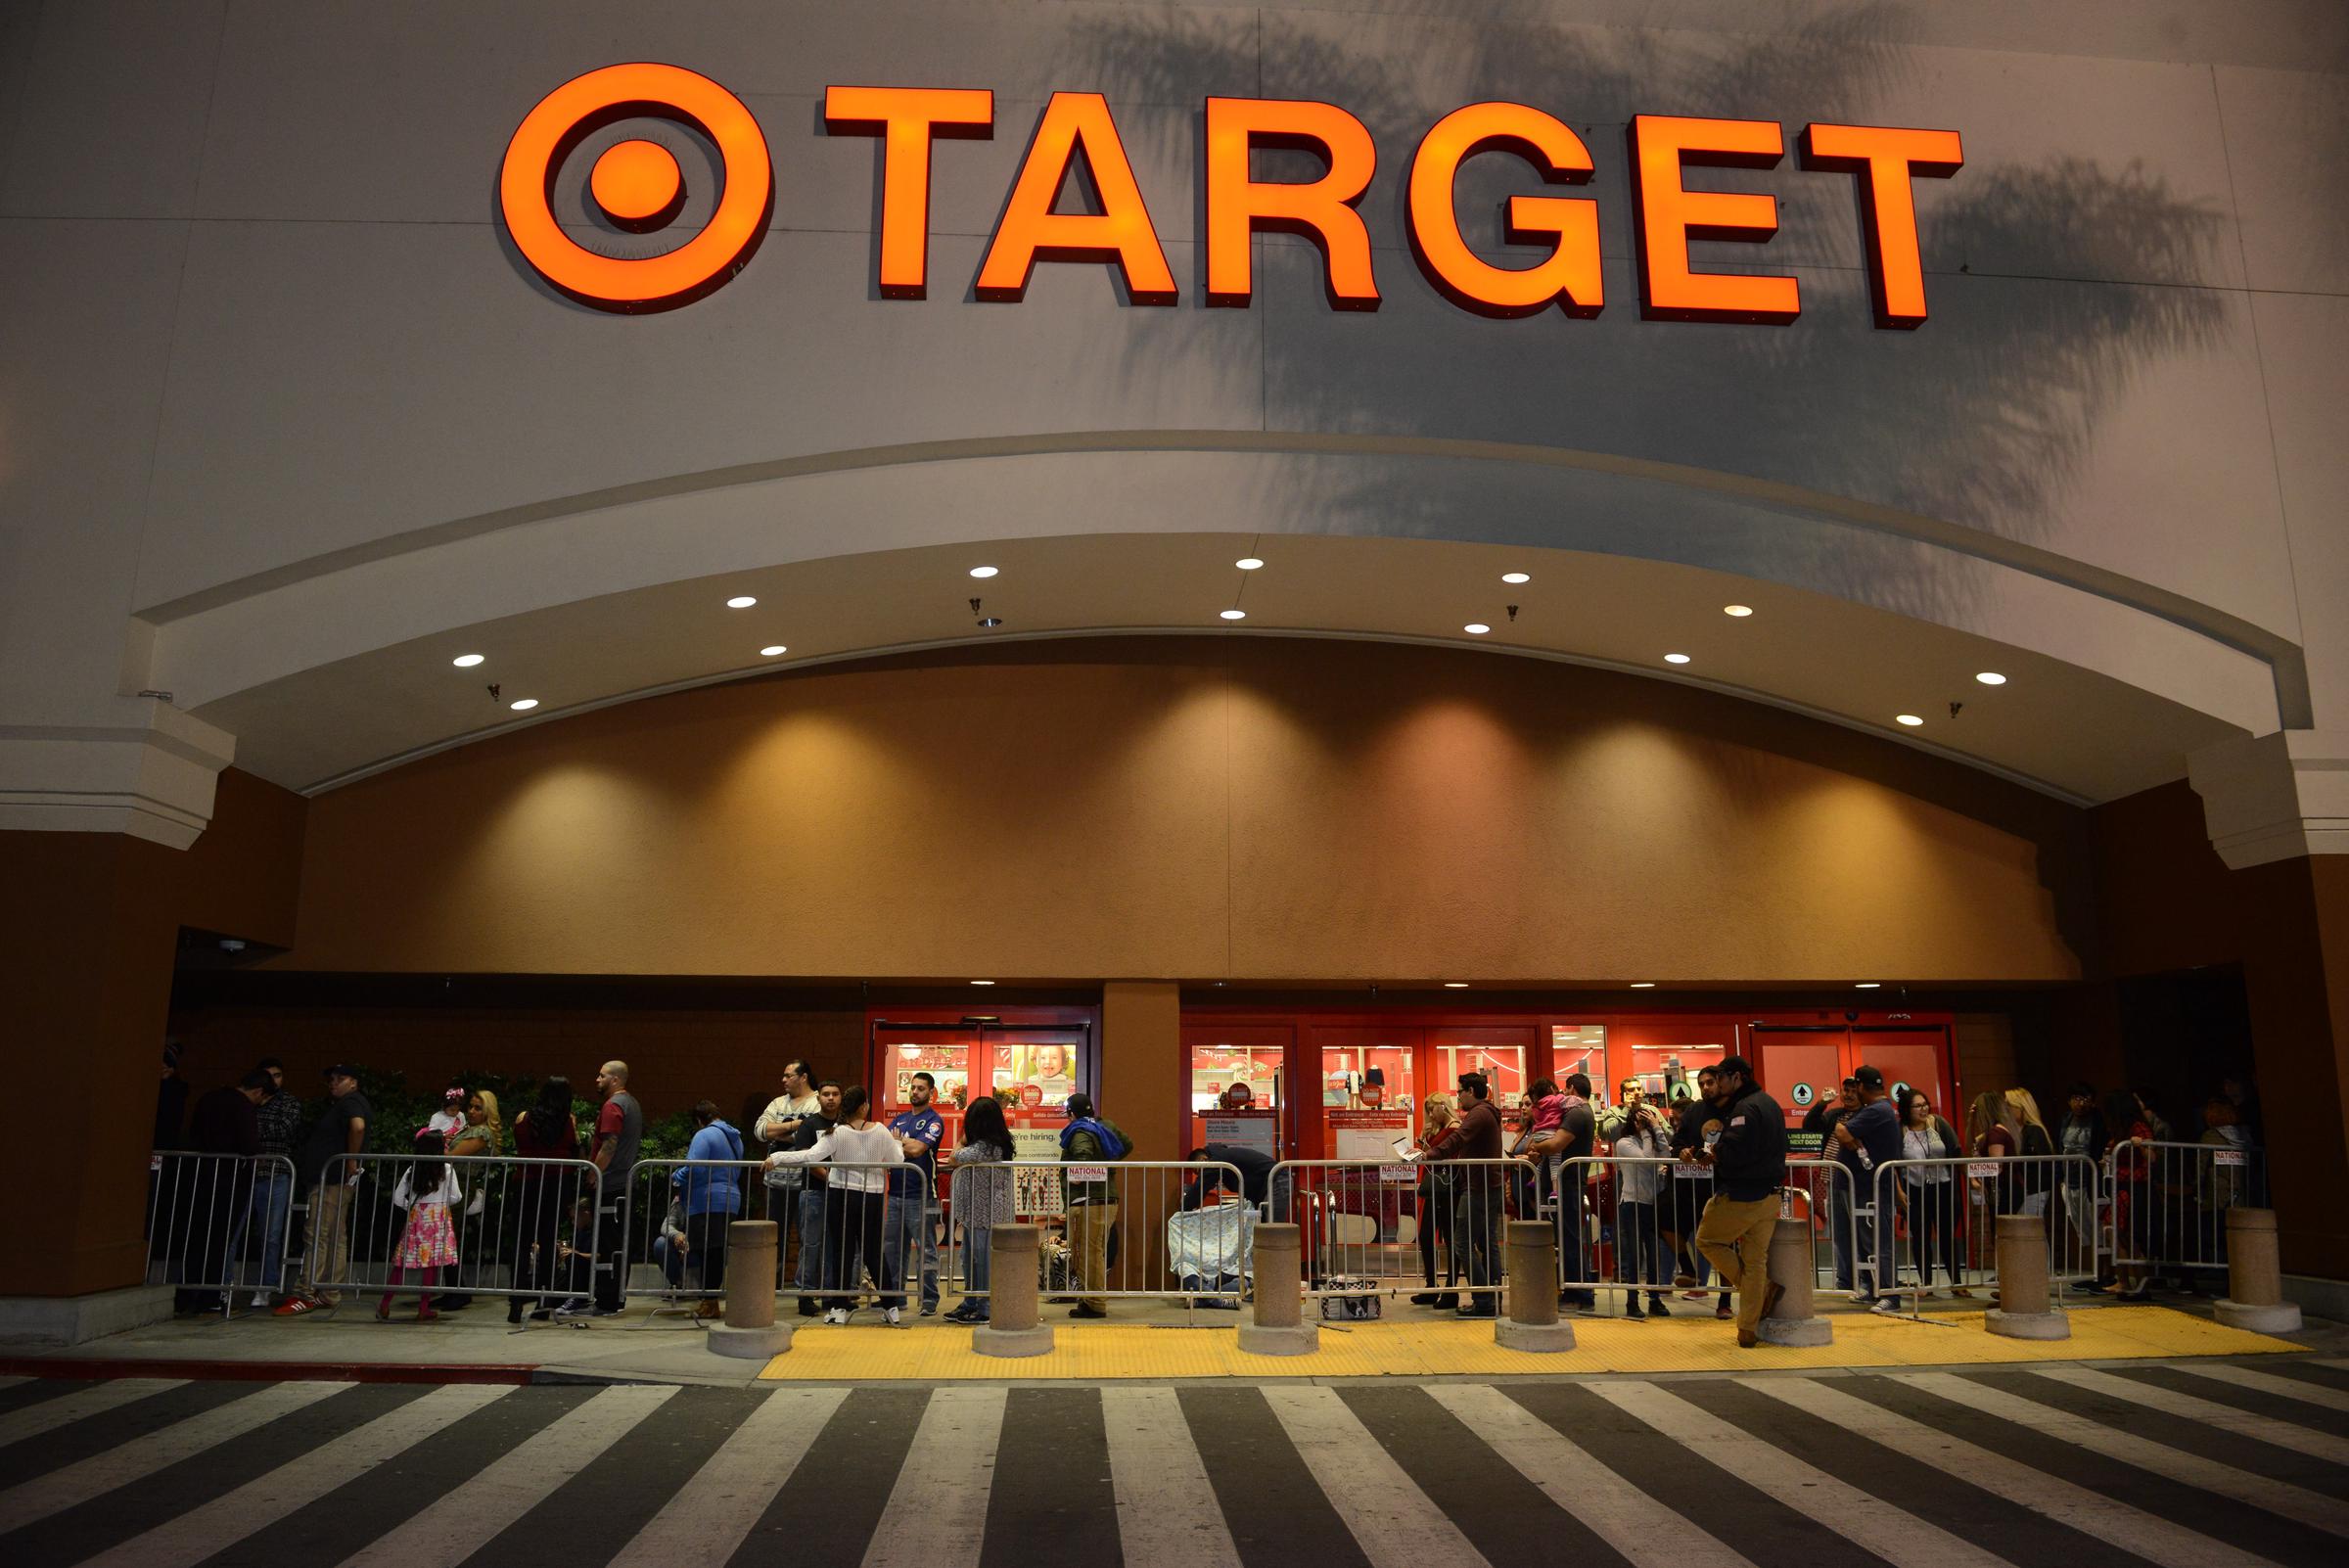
x=838, y=1239
x=218, y=1223
x=523, y=1228
x=1124, y=1229
x=1626, y=1227
x=1433, y=1227
x=1939, y=1222
x=2165, y=1204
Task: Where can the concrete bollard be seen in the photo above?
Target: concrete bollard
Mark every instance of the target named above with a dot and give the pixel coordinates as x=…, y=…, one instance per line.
x=1794, y=1318
x=2255, y=1276
x=1532, y=1321
x=2022, y=1312
x=1013, y=1328
x=1279, y=1326
x=749, y=1328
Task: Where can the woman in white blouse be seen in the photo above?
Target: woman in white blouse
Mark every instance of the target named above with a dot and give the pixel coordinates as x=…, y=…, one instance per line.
x=1931, y=1192
x=856, y=1147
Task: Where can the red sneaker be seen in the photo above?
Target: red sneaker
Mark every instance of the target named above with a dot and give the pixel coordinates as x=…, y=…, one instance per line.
x=294, y=1307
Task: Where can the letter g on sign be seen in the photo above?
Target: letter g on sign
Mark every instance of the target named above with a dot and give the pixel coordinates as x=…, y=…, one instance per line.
x=636, y=185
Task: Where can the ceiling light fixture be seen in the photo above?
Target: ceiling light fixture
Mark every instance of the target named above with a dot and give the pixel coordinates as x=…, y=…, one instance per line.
x=772, y=650
x=1991, y=678
x=982, y=982
x=1516, y=577
x=1476, y=629
x=1248, y=563
x=1910, y=719
x=467, y=660
x=1675, y=659
x=525, y=705
x=1737, y=610
x=1456, y=985
x=1236, y=614
x=983, y=572
x=1643, y=985
x=741, y=601
x=1870, y=985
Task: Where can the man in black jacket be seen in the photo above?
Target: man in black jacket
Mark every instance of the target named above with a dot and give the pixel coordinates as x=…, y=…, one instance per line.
x=1749, y=1166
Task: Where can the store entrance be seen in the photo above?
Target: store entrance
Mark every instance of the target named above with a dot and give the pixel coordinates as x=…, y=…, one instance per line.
x=1032, y=1067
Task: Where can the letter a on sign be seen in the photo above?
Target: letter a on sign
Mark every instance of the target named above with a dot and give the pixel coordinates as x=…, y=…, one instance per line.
x=1076, y=124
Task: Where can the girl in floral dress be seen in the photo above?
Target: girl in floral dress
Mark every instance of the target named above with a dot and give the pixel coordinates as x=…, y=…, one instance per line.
x=430, y=1241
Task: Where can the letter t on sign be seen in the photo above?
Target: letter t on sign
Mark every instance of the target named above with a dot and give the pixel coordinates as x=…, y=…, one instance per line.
x=907, y=118
x=1886, y=158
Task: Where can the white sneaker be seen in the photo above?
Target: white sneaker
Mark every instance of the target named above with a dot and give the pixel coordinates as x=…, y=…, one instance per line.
x=260, y=1298
x=893, y=1317
x=837, y=1316
x=1889, y=1307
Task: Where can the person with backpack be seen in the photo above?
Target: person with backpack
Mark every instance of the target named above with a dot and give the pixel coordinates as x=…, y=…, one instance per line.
x=1092, y=1206
x=710, y=1199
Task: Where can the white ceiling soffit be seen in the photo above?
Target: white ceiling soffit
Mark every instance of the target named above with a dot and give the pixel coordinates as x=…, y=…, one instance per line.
x=2055, y=724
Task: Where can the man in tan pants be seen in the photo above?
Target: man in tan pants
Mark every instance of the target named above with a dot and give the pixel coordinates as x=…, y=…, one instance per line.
x=1749, y=1167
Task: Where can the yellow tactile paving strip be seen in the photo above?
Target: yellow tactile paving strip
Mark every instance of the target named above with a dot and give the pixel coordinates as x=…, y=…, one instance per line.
x=1103, y=1352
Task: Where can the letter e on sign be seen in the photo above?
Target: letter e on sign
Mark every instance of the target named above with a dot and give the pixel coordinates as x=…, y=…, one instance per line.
x=1670, y=215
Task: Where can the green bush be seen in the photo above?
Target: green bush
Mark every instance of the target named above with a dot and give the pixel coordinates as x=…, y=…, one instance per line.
x=399, y=1111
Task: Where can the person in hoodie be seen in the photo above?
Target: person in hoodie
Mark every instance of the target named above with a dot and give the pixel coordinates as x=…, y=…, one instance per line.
x=711, y=1199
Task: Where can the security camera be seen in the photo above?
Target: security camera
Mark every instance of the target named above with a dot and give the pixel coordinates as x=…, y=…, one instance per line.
x=1851, y=1018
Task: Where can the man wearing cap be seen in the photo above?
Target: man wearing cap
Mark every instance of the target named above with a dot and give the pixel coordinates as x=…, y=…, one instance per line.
x=342, y=1130
x=1749, y=1167
x=1867, y=1138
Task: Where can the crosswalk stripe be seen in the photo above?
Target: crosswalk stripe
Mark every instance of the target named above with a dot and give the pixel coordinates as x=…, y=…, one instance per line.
x=719, y=1506
x=1893, y=1534
x=2091, y=1513
x=1167, y=1511
x=101, y=1473
x=947, y=1473
x=64, y=1410
x=2278, y=1497
x=2290, y=1388
x=1392, y=1520
x=261, y=1502
x=1618, y=1511
x=437, y=1537
x=7, y=1383
x=2209, y=1413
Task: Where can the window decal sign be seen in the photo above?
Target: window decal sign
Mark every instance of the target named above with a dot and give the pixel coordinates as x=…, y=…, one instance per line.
x=636, y=186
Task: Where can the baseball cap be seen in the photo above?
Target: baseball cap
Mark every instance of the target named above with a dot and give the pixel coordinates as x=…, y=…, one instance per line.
x=1868, y=1077
x=341, y=1070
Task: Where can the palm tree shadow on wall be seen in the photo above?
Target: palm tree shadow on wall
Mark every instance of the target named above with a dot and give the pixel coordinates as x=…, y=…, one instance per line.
x=1986, y=416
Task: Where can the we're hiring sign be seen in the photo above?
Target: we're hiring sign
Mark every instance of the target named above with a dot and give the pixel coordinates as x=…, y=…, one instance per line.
x=637, y=185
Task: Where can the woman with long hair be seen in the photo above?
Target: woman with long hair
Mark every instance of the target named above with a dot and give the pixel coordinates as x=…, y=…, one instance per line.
x=1932, y=1192
x=857, y=1200
x=982, y=1199
x=547, y=1131
x=1434, y=1205
x=1639, y=1239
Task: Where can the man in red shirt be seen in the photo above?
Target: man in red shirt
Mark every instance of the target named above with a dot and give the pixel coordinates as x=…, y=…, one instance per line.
x=618, y=1130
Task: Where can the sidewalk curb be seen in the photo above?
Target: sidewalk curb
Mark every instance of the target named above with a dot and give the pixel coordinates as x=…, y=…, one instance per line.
x=107, y=1369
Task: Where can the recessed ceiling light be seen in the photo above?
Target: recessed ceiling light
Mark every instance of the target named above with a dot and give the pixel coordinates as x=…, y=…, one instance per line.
x=525, y=705
x=1248, y=563
x=741, y=601
x=1675, y=659
x=983, y=572
x=1643, y=985
x=1516, y=577
x=1910, y=719
x=982, y=982
x=467, y=660
x=1476, y=629
x=1870, y=985
x=772, y=650
x=1991, y=678
x=1236, y=614
x=1456, y=985
x=1740, y=611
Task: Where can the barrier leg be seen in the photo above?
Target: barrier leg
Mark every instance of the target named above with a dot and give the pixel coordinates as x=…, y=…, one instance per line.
x=2022, y=1310
x=1532, y=1321
x=1793, y=1318
x=1012, y=1328
x=1281, y=1327
x=2254, y=1278
x=749, y=1328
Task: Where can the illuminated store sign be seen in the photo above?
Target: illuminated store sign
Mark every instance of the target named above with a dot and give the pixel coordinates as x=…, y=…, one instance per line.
x=636, y=185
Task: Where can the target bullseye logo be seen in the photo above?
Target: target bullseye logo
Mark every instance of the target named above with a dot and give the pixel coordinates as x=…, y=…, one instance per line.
x=636, y=185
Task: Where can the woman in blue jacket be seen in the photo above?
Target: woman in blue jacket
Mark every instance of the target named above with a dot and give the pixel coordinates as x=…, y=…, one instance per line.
x=711, y=1198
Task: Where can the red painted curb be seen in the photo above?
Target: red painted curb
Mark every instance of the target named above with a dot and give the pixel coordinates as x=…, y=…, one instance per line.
x=105, y=1370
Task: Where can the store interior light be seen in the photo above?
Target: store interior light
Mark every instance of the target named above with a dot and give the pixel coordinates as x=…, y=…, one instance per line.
x=1910, y=719
x=773, y=649
x=741, y=601
x=1236, y=614
x=525, y=705
x=1737, y=610
x=1248, y=563
x=982, y=982
x=1643, y=985
x=468, y=661
x=1675, y=659
x=1991, y=678
x=1515, y=577
x=1456, y=985
x=1476, y=629
x=1870, y=985
x=983, y=572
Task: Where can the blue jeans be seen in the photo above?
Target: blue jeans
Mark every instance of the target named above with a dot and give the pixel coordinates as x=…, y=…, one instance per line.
x=272, y=1201
x=901, y=1210
x=1572, y=1235
x=976, y=1259
x=812, y=1239
x=1639, y=1248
